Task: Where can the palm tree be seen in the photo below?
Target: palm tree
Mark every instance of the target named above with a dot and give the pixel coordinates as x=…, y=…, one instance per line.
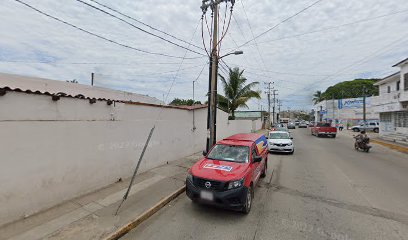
x=318, y=97
x=236, y=92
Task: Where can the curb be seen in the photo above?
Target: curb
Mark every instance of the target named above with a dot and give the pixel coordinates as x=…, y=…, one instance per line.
x=144, y=216
x=390, y=145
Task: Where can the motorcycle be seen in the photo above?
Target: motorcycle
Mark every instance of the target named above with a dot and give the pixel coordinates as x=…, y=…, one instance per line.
x=362, y=145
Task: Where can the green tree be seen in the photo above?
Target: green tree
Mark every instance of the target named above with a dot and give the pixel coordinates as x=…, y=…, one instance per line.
x=348, y=89
x=188, y=102
x=318, y=97
x=236, y=93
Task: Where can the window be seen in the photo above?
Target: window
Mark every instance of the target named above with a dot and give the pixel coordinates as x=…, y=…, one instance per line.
x=406, y=81
x=401, y=119
x=388, y=89
x=254, y=154
x=229, y=153
x=398, y=85
x=385, y=117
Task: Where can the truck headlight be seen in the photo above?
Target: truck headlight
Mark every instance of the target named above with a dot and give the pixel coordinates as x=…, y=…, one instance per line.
x=189, y=177
x=236, y=184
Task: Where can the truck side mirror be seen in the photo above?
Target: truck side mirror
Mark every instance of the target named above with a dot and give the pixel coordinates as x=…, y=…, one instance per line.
x=204, y=153
x=257, y=159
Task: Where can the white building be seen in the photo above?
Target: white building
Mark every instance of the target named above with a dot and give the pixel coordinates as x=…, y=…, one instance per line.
x=345, y=111
x=392, y=104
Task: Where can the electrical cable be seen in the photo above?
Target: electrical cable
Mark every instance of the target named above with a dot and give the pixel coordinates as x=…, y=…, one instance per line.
x=280, y=23
x=136, y=27
x=145, y=24
x=97, y=35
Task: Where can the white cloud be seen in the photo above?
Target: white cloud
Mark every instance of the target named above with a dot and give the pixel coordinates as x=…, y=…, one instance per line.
x=300, y=61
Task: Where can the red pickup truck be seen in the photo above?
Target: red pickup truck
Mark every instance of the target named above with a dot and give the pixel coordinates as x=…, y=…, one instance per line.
x=323, y=129
x=228, y=174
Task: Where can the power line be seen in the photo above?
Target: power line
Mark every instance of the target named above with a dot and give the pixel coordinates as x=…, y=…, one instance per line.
x=97, y=35
x=333, y=27
x=253, y=36
x=134, y=26
x=145, y=24
x=87, y=63
x=281, y=22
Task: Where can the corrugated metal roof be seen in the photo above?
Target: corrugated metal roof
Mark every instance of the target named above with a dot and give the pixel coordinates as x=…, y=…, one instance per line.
x=67, y=89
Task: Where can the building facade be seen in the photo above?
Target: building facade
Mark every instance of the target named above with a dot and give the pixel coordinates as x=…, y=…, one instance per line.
x=349, y=111
x=392, y=104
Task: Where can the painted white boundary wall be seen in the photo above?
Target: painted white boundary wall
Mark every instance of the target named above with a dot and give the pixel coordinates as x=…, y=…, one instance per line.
x=54, y=151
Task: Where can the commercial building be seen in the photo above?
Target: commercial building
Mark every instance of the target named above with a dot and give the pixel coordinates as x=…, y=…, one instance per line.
x=392, y=104
x=349, y=111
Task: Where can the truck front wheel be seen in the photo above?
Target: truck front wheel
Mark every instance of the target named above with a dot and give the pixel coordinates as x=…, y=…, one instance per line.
x=248, y=200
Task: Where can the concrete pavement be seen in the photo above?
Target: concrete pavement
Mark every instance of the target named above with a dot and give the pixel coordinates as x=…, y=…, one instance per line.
x=326, y=190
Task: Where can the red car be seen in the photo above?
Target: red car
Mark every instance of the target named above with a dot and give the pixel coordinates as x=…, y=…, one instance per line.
x=323, y=129
x=228, y=174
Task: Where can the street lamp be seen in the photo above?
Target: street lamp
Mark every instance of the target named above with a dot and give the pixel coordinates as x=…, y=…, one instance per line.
x=239, y=52
x=212, y=96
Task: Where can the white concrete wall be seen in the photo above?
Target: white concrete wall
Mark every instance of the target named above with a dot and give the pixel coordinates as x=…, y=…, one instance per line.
x=54, y=151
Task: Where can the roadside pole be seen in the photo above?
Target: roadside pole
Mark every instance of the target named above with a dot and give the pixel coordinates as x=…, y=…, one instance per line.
x=269, y=102
x=274, y=101
x=364, y=106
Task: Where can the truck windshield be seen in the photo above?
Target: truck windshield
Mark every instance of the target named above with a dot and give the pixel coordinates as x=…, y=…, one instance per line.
x=230, y=153
x=278, y=135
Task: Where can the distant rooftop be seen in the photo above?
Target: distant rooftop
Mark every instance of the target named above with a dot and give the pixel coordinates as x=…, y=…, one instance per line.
x=401, y=63
x=62, y=88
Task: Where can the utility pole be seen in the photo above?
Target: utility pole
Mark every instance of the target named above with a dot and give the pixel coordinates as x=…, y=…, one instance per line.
x=274, y=102
x=194, y=127
x=268, y=93
x=214, y=58
x=364, y=105
x=279, y=110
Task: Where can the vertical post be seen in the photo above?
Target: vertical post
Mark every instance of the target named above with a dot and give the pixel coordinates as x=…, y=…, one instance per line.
x=333, y=110
x=209, y=107
x=213, y=81
x=364, y=105
x=273, y=108
x=92, y=79
x=194, y=127
x=320, y=113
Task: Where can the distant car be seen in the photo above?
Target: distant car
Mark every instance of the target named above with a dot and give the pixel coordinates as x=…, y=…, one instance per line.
x=302, y=125
x=297, y=123
x=323, y=129
x=291, y=125
x=311, y=124
x=370, y=126
x=282, y=129
x=280, y=141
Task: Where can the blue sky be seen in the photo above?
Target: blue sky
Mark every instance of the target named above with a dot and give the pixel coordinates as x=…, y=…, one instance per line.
x=297, y=61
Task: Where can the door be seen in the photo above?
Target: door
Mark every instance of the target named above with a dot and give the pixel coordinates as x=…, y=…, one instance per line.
x=256, y=166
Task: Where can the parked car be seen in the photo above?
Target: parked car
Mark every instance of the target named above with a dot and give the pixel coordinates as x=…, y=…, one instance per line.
x=229, y=172
x=302, y=125
x=370, y=126
x=323, y=129
x=291, y=125
x=311, y=124
x=280, y=141
x=297, y=122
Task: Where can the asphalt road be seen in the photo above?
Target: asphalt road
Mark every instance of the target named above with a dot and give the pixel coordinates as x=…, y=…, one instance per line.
x=326, y=190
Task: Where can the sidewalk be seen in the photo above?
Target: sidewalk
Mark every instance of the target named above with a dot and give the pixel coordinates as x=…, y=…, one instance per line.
x=374, y=138
x=92, y=216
